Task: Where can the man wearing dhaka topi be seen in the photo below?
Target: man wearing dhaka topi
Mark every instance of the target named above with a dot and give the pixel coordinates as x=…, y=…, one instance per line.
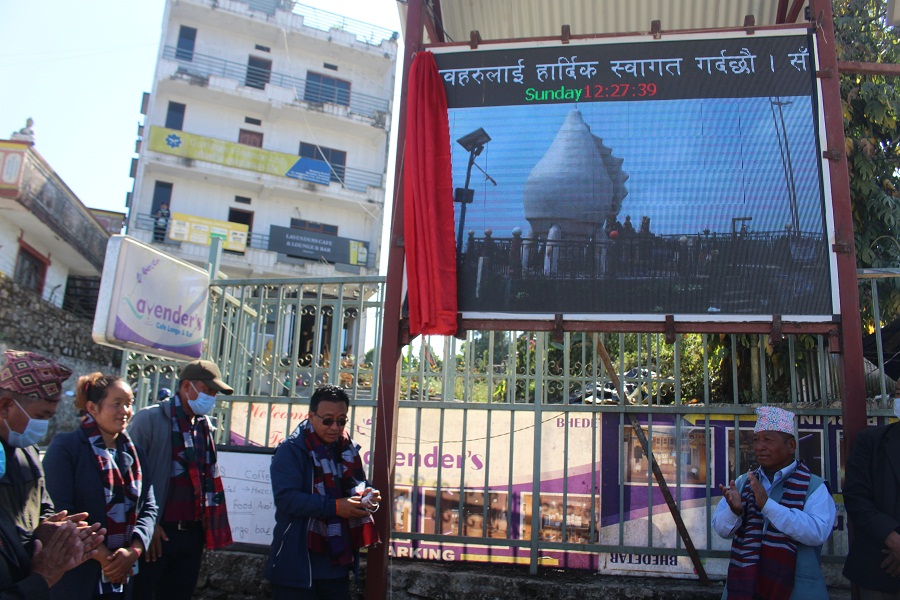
x=777, y=516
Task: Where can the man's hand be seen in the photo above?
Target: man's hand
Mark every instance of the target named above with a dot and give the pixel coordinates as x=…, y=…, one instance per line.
x=63, y=552
x=351, y=508
x=891, y=562
x=759, y=492
x=155, y=550
x=732, y=496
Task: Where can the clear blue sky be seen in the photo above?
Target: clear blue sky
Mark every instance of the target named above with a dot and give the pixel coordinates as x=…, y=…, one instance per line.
x=79, y=70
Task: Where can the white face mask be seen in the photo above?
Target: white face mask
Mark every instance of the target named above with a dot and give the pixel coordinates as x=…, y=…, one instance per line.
x=897, y=407
x=34, y=432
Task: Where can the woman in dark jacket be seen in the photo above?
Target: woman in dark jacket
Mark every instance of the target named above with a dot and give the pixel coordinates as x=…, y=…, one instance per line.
x=97, y=469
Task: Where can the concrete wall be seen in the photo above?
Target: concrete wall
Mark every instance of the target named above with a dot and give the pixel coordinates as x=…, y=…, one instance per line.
x=29, y=323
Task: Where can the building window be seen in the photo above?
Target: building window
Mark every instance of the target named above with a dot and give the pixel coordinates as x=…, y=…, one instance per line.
x=252, y=121
x=31, y=268
x=187, y=36
x=262, y=48
x=242, y=200
x=330, y=66
x=250, y=138
x=313, y=226
x=175, y=116
x=336, y=159
x=258, y=72
x=321, y=88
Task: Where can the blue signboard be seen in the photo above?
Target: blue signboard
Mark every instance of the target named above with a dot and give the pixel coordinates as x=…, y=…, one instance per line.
x=312, y=170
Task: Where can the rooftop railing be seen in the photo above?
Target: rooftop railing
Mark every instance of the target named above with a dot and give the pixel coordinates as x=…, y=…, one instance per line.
x=326, y=21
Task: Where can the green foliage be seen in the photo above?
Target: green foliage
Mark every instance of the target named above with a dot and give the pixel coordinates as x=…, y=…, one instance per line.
x=871, y=105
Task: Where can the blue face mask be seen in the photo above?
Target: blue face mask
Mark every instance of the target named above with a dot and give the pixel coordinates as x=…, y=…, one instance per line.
x=203, y=404
x=2, y=460
x=35, y=431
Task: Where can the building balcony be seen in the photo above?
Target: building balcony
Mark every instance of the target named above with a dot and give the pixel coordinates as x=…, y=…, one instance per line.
x=279, y=165
x=37, y=201
x=294, y=17
x=202, y=70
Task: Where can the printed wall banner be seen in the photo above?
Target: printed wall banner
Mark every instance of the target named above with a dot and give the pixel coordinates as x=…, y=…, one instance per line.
x=239, y=156
x=318, y=246
x=635, y=179
x=12, y=158
x=200, y=230
x=150, y=302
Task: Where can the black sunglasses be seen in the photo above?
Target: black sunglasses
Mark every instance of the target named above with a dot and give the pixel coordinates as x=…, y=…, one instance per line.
x=341, y=421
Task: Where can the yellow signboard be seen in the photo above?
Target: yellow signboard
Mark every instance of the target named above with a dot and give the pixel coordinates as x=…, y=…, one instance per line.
x=230, y=154
x=199, y=230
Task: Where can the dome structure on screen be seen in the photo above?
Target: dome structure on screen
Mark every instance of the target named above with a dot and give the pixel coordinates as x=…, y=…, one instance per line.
x=576, y=185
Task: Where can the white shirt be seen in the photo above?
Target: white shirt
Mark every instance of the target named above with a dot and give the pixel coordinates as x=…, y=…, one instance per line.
x=810, y=526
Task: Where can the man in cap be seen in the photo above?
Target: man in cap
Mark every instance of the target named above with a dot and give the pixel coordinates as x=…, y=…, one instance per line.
x=36, y=545
x=777, y=516
x=176, y=437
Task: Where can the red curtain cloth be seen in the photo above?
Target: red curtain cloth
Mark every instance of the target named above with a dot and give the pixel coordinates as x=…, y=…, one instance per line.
x=428, y=203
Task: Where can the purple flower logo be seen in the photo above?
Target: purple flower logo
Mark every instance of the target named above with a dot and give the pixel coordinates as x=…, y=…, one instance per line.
x=145, y=270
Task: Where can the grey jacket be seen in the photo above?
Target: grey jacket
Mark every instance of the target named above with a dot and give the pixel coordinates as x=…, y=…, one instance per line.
x=151, y=431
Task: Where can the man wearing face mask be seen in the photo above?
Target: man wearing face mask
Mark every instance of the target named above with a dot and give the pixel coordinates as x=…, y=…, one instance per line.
x=36, y=546
x=176, y=437
x=872, y=498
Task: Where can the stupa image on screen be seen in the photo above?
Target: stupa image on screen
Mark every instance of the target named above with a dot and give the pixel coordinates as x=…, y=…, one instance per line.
x=708, y=206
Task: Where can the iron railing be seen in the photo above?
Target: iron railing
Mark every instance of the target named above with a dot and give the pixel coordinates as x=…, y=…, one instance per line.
x=194, y=64
x=518, y=447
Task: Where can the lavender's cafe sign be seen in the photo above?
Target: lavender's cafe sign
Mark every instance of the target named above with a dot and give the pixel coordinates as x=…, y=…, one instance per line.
x=140, y=307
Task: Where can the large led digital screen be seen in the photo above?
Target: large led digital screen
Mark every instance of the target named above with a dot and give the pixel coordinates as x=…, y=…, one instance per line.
x=636, y=179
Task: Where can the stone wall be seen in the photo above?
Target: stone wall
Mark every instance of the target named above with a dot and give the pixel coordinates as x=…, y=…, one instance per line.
x=29, y=323
x=238, y=576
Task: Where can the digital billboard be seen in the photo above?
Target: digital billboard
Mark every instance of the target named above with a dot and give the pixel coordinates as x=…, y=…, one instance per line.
x=636, y=179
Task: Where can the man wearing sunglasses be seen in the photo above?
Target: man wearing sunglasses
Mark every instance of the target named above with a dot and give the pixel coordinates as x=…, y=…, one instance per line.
x=323, y=505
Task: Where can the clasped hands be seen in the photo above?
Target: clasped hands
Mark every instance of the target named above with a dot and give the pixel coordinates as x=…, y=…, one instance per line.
x=62, y=542
x=733, y=495
x=353, y=507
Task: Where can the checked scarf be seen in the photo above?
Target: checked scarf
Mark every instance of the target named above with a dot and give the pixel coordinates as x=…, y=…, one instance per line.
x=122, y=490
x=339, y=538
x=762, y=564
x=190, y=495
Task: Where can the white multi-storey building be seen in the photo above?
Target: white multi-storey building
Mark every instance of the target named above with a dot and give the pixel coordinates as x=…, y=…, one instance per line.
x=268, y=126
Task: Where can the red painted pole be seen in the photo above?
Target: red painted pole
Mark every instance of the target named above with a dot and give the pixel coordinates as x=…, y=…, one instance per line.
x=377, y=581
x=853, y=396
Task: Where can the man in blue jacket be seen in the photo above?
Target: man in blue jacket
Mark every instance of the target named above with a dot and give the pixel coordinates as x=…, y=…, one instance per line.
x=323, y=504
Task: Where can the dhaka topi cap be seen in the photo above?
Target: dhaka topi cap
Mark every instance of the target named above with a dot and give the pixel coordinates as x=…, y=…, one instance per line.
x=31, y=374
x=208, y=373
x=771, y=418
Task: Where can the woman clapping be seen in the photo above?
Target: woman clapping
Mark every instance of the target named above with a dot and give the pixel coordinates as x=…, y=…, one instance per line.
x=97, y=469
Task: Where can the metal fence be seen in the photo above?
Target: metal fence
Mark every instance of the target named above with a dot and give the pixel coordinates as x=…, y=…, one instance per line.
x=519, y=446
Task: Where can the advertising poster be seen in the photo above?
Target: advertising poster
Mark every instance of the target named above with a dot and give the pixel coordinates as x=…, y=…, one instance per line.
x=639, y=178
x=140, y=309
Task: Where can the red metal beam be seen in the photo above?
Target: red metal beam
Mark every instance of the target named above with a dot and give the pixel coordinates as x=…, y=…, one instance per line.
x=781, y=13
x=796, y=7
x=853, y=397
x=386, y=411
x=866, y=68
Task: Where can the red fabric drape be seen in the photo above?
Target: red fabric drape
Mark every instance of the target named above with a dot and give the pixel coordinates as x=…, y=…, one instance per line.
x=428, y=203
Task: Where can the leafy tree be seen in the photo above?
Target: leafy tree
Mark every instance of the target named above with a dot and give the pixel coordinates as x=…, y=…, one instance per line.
x=871, y=104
